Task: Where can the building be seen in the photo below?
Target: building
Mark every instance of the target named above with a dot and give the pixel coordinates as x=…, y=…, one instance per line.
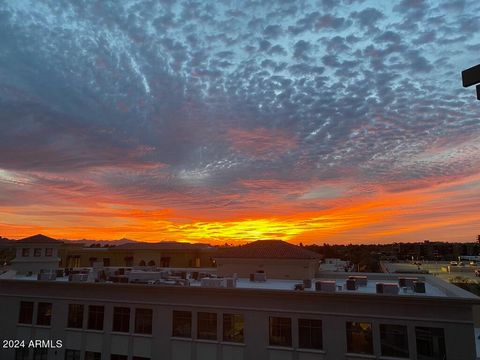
x=277, y=259
x=35, y=253
x=161, y=254
x=139, y=314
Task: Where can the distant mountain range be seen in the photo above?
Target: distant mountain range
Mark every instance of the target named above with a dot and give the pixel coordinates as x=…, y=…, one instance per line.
x=5, y=241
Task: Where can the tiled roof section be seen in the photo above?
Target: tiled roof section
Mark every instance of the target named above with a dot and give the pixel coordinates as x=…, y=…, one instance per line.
x=268, y=249
x=164, y=245
x=39, y=239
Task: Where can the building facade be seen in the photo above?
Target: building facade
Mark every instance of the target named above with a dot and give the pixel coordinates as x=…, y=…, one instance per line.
x=254, y=320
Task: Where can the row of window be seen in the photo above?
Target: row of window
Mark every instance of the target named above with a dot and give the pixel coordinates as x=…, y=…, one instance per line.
x=37, y=252
x=393, y=338
x=42, y=354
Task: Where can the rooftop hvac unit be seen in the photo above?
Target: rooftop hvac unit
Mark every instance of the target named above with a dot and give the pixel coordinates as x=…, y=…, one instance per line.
x=406, y=281
x=325, y=285
x=47, y=276
x=351, y=284
x=307, y=283
x=419, y=287
x=387, y=288
x=260, y=276
x=299, y=287
x=144, y=276
x=78, y=277
x=361, y=280
x=230, y=282
x=212, y=282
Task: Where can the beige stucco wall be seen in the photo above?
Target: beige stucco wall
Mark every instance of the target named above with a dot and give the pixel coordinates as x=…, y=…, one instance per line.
x=275, y=268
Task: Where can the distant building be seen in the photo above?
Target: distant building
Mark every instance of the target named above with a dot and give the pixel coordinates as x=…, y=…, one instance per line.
x=35, y=253
x=277, y=259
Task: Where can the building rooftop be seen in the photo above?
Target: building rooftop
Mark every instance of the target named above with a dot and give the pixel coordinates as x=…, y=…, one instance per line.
x=267, y=249
x=163, y=245
x=39, y=239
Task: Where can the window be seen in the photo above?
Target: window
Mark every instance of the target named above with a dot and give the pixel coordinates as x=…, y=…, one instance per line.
x=118, y=357
x=25, y=252
x=207, y=326
x=95, y=317
x=310, y=334
x=280, y=330
x=182, y=324
x=75, y=316
x=140, y=358
x=22, y=354
x=44, y=314
x=48, y=252
x=394, y=340
x=430, y=343
x=106, y=262
x=37, y=252
x=40, y=354
x=143, y=321
x=233, y=328
x=359, y=338
x=121, y=319
x=72, y=354
x=90, y=355
x=25, y=315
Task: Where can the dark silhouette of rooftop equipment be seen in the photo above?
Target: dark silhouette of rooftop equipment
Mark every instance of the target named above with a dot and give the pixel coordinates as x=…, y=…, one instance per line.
x=471, y=77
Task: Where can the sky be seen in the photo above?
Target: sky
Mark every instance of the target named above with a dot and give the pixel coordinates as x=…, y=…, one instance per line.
x=335, y=121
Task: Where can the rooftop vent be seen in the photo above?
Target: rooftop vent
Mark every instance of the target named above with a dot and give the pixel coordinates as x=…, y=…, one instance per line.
x=361, y=280
x=419, y=287
x=387, y=288
x=351, y=284
x=325, y=285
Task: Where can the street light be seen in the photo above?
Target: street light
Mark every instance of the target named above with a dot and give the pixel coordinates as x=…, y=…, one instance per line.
x=471, y=77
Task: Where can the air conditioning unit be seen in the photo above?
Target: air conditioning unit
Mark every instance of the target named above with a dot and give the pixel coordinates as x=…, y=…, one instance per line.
x=230, y=282
x=307, y=283
x=260, y=276
x=78, y=277
x=47, y=276
x=406, y=281
x=325, y=285
x=419, y=287
x=212, y=282
x=351, y=284
x=361, y=280
x=299, y=287
x=387, y=288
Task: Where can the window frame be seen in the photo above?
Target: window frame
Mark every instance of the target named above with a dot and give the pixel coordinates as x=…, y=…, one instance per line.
x=207, y=325
x=386, y=348
x=94, y=316
x=121, y=319
x=185, y=318
x=79, y=319
x=283, y=326
x=44, y=319
x=21, y=314
x=231, y=319
x=143, y=322
x=355, y=331
x=313, y=327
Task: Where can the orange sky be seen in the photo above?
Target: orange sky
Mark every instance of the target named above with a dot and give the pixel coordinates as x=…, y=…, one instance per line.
x=444, y=212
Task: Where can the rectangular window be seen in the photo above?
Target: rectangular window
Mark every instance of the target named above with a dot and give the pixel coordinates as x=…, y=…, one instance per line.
x=359, y=338
x=22, y=354
x=280, y=331
x=25, y=315
x=75, y=316
x=121, y=319
x=48, y=252
x=310, y=334
x=182, y=324
x=40, y=354
x=207, y=326
x=233, y=328
x=44, y=314
x=91, y=355
x=430, y=343
x=72, y=354
x=37, y=252
x=143, y=321
x=118, y=357
x=394, y=340
x=95, y=317
x=25, y=252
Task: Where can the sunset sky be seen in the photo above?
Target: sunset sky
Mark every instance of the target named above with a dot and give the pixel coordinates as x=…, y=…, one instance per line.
x=230, y=121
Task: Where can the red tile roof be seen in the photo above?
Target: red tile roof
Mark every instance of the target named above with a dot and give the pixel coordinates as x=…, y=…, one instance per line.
x=267, y=249
x=39, y=239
